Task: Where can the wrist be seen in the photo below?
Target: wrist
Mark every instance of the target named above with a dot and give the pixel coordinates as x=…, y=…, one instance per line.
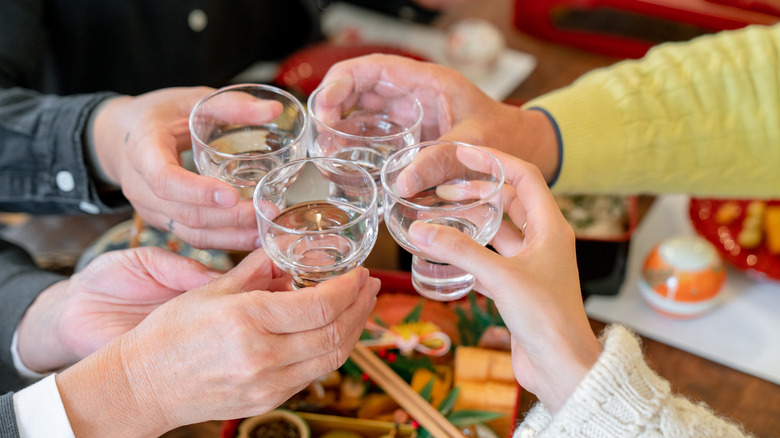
x=100, y=134
x=39, y=345
x=566, y=365
x=102, y=399
x=541, y=142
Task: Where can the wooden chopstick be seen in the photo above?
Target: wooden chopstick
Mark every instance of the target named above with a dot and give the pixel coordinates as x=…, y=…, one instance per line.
x=417, y=407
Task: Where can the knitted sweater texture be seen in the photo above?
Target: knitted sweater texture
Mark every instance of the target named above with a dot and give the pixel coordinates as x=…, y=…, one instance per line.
x=701, y=117
x=622, y=397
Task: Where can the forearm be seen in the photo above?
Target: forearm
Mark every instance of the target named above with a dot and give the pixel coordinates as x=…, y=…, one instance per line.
x=697, y=117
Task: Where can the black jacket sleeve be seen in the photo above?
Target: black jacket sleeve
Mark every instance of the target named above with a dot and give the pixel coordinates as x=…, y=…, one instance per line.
x=21, y=281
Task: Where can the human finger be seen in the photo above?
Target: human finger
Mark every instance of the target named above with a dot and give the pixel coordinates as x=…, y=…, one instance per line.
x=255, y=272
x=157, y=162
x=508, y=240
x=527, y=180
x=430, y=166
x=242, y=215
x=433, y=85
x=448, y=245
x=312, y=307
x=238, y=107
x=171, y=270
x=344, y=329
x=227, y=238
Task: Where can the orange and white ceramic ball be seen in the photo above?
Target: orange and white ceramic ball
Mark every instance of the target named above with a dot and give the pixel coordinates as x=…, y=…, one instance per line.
x=682, y=277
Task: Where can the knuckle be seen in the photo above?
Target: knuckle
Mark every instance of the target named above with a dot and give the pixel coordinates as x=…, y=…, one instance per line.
x=189, y=216
x=192, y=237
x=336, y=333
x=320, y=311
x=337, y=359
x=453, y=242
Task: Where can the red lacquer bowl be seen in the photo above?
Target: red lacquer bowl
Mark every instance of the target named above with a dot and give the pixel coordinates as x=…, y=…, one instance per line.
x=303, y=71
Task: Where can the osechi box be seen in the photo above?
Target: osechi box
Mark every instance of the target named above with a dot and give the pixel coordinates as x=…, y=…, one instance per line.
x=603, y=226
x=454, y=354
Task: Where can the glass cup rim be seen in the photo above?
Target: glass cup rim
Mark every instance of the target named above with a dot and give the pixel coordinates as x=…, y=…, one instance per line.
x=252, y=156
x=406, y=131
x=419, y=146
x=302, y=162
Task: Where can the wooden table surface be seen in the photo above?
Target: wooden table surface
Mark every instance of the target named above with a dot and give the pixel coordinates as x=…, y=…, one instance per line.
x=751, y=401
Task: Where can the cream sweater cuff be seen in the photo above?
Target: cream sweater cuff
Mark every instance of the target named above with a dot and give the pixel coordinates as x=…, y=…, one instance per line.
x=619, y=396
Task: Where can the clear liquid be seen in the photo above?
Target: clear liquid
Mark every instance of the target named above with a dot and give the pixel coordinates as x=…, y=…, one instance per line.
x=371, y=158
x=371, y=149
x=312, y=258
x=368, y=125
x=251, y=147
x=433, y=279
x=480, y=222
x=248, y=140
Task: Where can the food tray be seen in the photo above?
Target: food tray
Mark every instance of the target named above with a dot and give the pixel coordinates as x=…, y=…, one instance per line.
x=394, y=283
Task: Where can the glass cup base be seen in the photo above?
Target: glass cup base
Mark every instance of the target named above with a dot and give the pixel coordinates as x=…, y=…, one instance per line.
x=440, y=281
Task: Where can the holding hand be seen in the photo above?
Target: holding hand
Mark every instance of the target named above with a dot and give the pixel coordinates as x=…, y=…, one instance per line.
x=114, y=293
x=533, y=280
x=456, y=109
x=227, y=349
x=138, y=141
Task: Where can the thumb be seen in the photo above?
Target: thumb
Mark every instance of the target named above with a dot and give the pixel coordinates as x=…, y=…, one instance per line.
x=172, y=270
x=255, y=272
x=464, y=132
x=448, y=245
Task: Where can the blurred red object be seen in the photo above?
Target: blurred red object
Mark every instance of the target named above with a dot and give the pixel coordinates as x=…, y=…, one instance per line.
x=628, y=28
x=302, y=72
x=758, y=262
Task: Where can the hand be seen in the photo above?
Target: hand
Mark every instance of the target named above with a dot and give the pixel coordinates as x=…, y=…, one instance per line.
x=533, y=280
x=227, y=349
x=114, y=293
x=138, y=141
x=456, y=109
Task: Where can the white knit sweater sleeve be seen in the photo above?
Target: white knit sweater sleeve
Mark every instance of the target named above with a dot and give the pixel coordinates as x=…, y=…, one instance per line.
x=622, y=397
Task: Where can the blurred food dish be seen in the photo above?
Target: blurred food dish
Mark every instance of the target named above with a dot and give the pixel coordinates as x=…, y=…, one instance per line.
x=745, y=232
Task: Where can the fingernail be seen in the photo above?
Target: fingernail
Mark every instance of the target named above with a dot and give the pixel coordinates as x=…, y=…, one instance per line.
x=259, y=242
x=363, y=275
x=453, y=192
x=214, y=274
x=225, y=198
x=422, y=234
x=377, y=284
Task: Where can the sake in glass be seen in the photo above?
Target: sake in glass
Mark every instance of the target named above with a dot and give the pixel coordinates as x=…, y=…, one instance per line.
x=445, y=183
x=241, y=132
x=317, y=217
x=362, y=121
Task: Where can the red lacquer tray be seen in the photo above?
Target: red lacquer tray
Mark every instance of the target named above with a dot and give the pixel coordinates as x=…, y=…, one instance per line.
x=757, y=262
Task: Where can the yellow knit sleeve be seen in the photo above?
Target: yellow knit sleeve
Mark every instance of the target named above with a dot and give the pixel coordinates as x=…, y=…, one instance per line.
x=701, y=117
